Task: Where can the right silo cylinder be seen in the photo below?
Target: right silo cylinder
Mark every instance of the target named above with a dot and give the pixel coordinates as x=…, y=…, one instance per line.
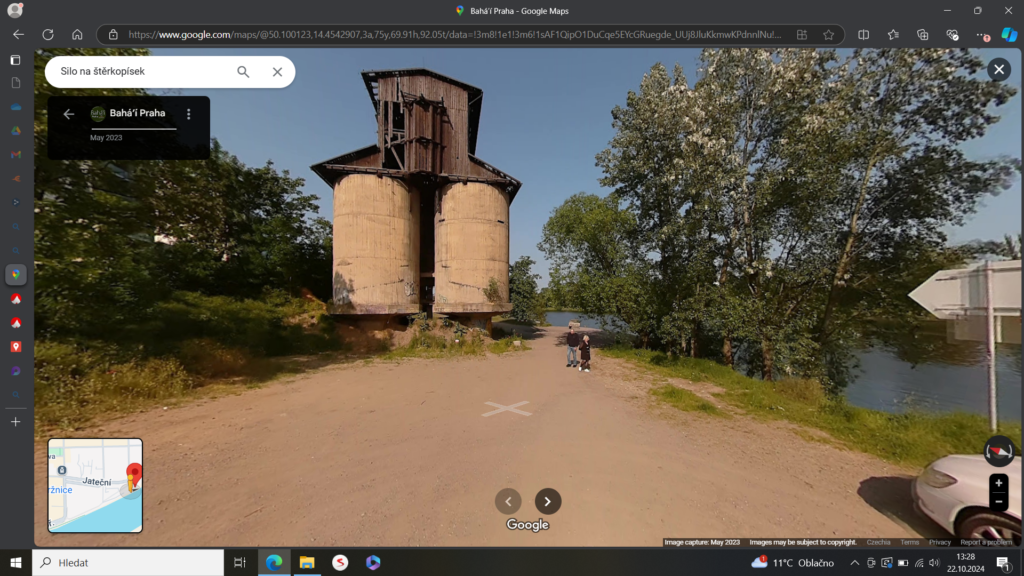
x=471, y=243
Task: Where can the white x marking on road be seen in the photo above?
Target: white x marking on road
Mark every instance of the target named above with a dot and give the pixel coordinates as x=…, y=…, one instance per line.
x=511, y=408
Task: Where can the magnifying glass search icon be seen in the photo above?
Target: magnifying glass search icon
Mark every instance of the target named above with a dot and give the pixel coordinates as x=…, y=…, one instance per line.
x=15, y=250
x=46, y=561
x=242, y=72
x=19, y=398
x=16, y=227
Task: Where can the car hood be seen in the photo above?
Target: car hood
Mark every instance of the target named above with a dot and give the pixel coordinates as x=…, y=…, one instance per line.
x=974, y=466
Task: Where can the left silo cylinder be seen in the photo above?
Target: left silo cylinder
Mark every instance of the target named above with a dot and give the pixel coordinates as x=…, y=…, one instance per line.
x=376, y=246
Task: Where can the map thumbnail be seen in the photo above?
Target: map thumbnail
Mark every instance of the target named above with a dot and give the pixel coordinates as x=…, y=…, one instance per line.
x=94, y=485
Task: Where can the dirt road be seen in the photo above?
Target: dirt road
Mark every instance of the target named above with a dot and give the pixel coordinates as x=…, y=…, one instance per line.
x=399, y=454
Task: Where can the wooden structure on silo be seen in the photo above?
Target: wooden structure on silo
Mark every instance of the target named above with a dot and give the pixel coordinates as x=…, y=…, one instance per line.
x=420, y=223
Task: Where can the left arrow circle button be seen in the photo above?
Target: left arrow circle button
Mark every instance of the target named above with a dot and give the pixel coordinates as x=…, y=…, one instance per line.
x=508, y=501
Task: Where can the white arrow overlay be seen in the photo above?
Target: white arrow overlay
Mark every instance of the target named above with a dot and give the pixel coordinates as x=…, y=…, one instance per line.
x=548, y=503
x=952, y=293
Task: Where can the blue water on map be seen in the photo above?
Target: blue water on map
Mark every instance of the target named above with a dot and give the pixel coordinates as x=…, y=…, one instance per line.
x=124, y=515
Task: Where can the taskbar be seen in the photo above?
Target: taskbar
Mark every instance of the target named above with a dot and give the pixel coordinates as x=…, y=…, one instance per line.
x=836, y=543
x=497, y=561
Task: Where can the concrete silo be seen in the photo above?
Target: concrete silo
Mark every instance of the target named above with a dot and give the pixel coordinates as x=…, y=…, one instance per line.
x=471, y=247
x=420, y=223
x=376, y=246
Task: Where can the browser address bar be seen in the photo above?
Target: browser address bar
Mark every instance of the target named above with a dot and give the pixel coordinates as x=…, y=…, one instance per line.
x=170, y=72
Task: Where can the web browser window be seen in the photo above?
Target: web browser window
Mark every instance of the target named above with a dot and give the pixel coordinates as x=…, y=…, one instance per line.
x=694, y=289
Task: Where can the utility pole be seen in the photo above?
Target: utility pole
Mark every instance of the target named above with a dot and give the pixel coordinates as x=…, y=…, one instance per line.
x=990, y=340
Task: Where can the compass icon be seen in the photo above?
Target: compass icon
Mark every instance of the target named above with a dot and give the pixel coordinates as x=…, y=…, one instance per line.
x=999, y=451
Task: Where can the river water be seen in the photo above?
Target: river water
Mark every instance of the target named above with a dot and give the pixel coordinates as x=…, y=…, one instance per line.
x=922, y=371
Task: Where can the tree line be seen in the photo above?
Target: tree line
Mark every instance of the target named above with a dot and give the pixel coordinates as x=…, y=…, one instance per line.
x=113, y=239
x=781, y=202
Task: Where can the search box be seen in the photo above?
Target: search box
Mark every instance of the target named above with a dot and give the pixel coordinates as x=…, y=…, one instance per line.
x=87, y=562
x=170, y=72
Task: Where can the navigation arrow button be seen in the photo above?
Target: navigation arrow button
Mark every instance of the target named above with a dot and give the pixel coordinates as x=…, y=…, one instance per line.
x=548, y=501
x=68, y=114
x=508, y=501
x=18, y=34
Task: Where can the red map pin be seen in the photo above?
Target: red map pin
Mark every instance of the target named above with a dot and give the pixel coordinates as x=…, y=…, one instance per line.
x=15, y=298
x=135, y=470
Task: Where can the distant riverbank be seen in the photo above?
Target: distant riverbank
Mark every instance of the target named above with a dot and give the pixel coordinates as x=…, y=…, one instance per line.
x=921, y=371
x=914, y=438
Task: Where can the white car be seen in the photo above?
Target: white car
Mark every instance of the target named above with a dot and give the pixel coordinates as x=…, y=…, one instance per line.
x=953, y=491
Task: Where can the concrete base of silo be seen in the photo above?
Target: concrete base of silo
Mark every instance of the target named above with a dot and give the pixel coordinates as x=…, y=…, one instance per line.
x=475, y=309
x=373, y=322
x=474, y=315
x=368, y=310
x=475, y=321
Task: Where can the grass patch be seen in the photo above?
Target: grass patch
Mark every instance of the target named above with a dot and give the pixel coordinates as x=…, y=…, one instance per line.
x=914, y=438
x=431, y=345
x=188, y=343
x=507, y=344
x=686, y=400
x=514, y=322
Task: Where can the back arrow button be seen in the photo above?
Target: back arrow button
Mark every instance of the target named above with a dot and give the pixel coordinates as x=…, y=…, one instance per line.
x=68, y=114
x=508, y=501
x=18, y=34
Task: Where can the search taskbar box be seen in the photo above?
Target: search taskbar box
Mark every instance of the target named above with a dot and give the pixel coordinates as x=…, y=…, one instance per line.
x=86, y=562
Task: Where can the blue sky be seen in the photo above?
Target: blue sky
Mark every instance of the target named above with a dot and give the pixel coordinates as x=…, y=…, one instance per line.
x=546, y=114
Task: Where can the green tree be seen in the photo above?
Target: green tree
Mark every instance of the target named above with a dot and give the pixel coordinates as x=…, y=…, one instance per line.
x=1008, y=247
x=522, y=287
x=904, y=116
x=784, y=200
x=113, y=239
x=94, y=226
x=253, y=232
x=595, y=268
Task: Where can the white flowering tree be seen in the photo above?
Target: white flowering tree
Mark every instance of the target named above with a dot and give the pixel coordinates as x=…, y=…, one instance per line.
x=782, y=199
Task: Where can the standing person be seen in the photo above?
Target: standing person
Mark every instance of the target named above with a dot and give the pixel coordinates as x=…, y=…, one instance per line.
x=585, y=354
x=572, y=341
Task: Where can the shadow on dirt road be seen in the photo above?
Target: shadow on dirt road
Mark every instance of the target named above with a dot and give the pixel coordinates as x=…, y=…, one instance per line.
x=891, y=495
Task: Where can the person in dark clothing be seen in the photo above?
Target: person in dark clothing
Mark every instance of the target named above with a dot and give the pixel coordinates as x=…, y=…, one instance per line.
x=585, y=354
x=572, y=341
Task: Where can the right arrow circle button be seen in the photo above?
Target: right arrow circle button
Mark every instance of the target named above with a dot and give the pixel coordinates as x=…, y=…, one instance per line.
x=548, y=501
